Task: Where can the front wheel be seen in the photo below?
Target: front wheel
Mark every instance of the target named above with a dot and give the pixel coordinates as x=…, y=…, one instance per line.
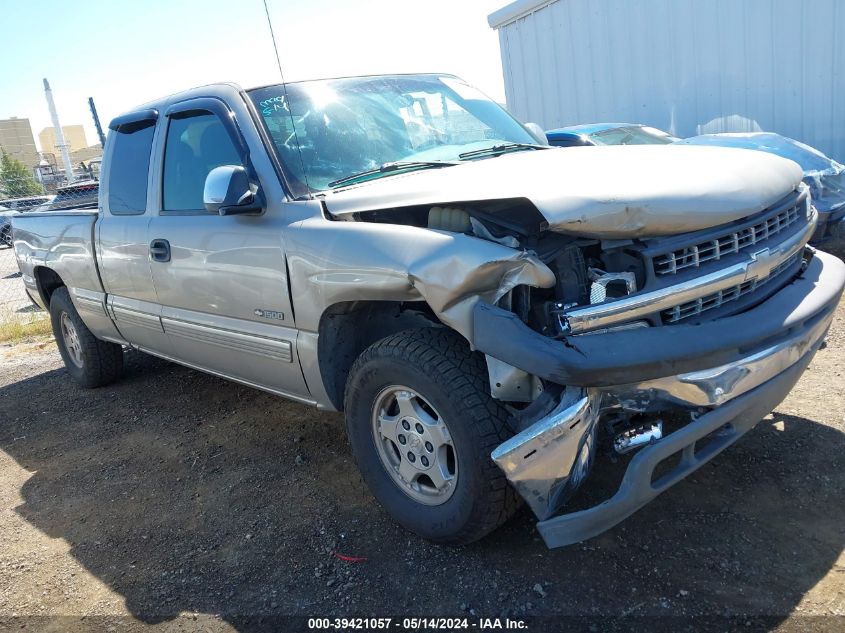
x=422, y=425
x=91, y=362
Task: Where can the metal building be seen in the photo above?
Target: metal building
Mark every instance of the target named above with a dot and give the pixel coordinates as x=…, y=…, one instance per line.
x=686, y=66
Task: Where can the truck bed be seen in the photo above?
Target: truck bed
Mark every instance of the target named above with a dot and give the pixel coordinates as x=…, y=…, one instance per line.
x=60, y=240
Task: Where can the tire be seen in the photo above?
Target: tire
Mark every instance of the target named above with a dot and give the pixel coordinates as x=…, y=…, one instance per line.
x=450, y=387
x=90, y=361
x=6, y=237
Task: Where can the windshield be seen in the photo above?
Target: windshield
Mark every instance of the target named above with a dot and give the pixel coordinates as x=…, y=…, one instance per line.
x=633, y=135
x=326, y=131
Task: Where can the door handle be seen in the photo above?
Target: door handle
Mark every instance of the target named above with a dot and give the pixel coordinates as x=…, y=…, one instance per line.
x=160, y=250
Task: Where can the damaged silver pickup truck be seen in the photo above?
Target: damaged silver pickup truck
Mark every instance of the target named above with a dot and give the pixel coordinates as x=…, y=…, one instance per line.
x=495, y=317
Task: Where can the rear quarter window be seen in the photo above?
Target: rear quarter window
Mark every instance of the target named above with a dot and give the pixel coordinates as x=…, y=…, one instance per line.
x=128, y=169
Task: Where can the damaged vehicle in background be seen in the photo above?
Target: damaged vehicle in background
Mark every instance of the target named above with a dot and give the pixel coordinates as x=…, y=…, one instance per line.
x=824, y=176
x=488, y=312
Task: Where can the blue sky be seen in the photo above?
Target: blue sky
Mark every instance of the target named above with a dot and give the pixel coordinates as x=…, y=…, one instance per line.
x=125, y=52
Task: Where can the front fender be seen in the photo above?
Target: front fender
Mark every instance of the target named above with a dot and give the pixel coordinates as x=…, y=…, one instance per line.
x=334, y=262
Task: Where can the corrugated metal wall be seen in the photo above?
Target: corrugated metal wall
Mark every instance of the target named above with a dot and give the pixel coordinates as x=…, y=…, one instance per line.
x=686, y=66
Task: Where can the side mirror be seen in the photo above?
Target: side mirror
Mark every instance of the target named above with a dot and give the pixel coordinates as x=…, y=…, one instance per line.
x=228, y=191
x=537, y=132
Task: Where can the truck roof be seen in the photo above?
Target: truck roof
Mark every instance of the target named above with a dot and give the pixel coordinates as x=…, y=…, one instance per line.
x=229, y=88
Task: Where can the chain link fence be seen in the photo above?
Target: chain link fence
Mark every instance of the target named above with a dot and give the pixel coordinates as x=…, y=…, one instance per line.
x=19, y=317
x=36, y=192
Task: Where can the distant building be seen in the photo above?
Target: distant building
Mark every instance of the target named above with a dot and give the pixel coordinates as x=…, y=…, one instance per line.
x=16, y=140
x=74, y=137
x=85, y=154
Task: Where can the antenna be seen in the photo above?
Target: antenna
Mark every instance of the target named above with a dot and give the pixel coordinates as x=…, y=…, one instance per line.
x=287, y=98
x=273, y=37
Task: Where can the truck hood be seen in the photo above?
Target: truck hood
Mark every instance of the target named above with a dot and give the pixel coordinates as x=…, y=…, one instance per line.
x=606, y=192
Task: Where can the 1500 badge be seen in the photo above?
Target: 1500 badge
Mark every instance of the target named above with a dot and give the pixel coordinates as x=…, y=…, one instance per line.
x=269, y=314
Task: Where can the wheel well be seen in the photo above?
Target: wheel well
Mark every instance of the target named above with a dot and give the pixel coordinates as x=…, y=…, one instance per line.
x=48, y=282
x=348, y=328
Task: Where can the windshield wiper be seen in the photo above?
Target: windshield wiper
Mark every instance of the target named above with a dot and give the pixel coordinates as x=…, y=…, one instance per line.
x=386, y=168
x=501, y=149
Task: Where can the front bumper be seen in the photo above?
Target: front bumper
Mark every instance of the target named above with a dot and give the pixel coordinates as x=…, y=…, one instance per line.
x=739, y=368
x=623, y=356
x=727, y=423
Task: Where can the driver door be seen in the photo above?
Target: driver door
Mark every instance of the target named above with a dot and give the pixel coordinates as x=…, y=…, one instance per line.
x=221, y=280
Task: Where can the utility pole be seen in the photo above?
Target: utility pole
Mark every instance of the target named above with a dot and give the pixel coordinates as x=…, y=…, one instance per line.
x=61, y=145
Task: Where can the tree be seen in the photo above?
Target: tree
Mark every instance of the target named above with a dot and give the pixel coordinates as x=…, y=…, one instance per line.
x=16, y=180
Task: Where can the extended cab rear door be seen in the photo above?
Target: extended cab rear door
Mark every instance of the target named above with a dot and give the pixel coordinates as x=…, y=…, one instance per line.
x=122, y=244
x=222, y=283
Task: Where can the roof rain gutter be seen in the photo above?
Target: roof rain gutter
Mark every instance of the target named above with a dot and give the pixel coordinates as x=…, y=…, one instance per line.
x=514, y=11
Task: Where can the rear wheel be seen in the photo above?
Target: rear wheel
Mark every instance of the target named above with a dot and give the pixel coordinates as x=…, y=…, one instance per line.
x=91, y=362
x=422, y=425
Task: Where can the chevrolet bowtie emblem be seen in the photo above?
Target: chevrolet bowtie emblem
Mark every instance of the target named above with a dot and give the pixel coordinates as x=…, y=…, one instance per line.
x=761, y=265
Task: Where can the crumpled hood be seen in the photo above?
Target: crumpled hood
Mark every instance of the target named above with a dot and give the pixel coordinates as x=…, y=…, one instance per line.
x=607, y=192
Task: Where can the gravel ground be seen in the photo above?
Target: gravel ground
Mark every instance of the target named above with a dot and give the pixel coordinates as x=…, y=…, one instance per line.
x=13, y=300
x=177, y=501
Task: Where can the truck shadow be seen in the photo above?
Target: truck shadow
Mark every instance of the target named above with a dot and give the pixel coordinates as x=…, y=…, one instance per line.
x=185, y=493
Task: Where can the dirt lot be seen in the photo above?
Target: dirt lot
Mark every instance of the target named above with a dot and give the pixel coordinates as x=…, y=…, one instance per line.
x=13, y=299
x=175, y=501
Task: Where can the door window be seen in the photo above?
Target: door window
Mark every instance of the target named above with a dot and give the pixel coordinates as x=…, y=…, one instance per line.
x=128, y=169
x=195, y=145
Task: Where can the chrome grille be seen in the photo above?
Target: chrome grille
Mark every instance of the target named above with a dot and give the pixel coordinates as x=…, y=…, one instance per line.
x=695, y=255
x=720, y=298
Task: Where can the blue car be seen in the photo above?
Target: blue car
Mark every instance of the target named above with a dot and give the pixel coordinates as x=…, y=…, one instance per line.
x=824, y=176
x=608, y=134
